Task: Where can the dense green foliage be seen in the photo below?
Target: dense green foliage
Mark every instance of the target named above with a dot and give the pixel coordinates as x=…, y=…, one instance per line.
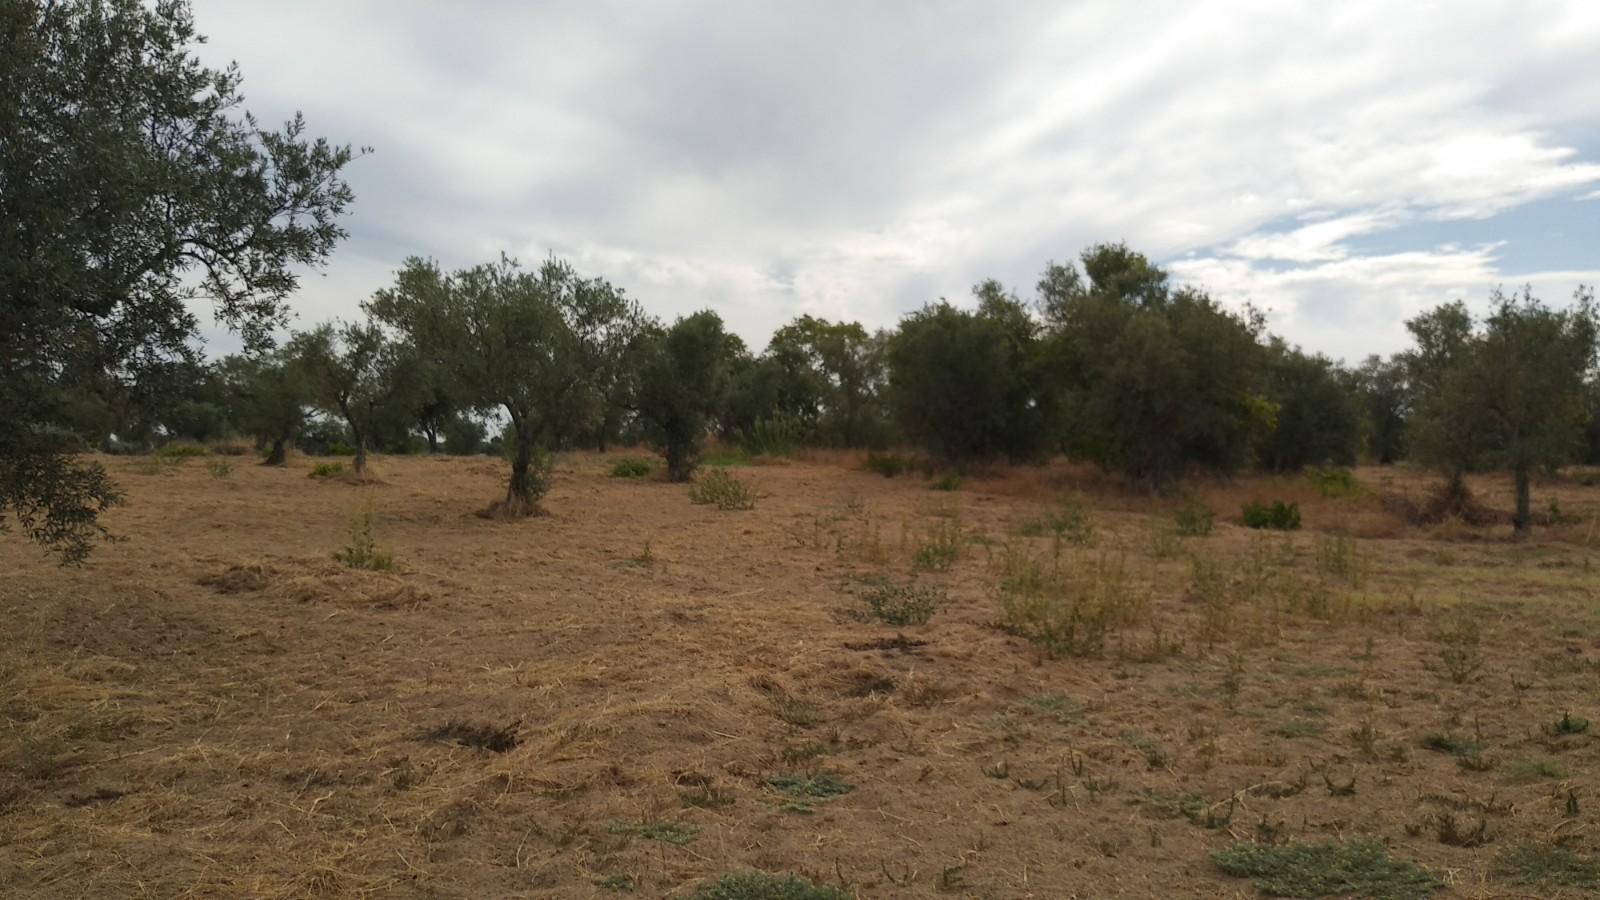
x=1511, y=392
x=682, y=380
x=130, y=186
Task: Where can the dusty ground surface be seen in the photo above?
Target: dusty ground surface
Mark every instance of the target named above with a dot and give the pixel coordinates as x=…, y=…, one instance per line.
x=215, y=706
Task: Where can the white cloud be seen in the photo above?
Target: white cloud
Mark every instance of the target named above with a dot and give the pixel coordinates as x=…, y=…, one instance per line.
x=855, y=161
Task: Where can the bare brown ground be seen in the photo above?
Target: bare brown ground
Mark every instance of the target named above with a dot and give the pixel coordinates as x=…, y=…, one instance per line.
x=214, y=706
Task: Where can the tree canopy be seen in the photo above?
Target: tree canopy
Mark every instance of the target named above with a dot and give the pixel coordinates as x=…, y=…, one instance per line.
x=131, y=186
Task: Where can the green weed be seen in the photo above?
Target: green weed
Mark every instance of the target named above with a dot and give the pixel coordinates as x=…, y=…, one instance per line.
x=1358, y=868
x=721, y=489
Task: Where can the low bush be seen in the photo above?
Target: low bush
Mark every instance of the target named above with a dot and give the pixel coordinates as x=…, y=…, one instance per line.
x=363, y=552
x=631, y=467
x=947, y=482
x=1277, y=515
x=340, y=448
x=1333, y=481
x=182, y=451
x=1067, y=611
x=719, y=488
x=901, y=605
x=326, y=470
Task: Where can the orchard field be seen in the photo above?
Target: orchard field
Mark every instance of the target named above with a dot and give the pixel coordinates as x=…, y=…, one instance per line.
x=1038, y=684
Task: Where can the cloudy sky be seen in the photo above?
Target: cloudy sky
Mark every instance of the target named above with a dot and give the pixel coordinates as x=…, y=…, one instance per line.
x=1341, y=165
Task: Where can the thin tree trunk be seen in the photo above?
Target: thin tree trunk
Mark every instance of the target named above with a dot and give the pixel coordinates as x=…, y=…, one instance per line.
x=277, y=455
x=433, y=439
x=361, y=453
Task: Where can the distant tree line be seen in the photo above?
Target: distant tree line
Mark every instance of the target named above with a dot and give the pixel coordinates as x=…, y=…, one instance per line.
x=130, y=190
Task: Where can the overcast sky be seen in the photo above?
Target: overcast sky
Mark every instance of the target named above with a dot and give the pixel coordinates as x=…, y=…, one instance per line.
x=1341, y=165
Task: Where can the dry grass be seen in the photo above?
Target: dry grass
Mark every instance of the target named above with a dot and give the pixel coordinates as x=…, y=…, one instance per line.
x=216, y=706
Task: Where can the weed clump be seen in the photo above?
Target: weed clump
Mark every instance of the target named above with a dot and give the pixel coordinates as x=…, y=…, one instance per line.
x=939, y=548
x=326, y=470
x=950, y=481
x=363, y=552
x=1333, y=481
x=1541, y=865
x=631, y=467
x=1071, y=522
x=761, y=886
x=803, y=792
x=1569, y=725
x=1067, y=611
x=1276, y=516
x=719, y=488
x=1458, y=647
x=901, y=605
x=675, y=833
x=219, y=468
x=1358, y=868
x=1193, y=518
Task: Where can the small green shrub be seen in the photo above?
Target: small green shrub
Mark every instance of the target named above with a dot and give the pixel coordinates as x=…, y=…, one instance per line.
x=761, y=886
x=219, y=468
x=1072, y=522
x=803, y=792
x=901, y=605
x=1193, y=518
x=939, y=547
x=888, y=465
x=362, y=552
x=182, y=451
x=326, y=470
x=949, y=481
x=1277, y=516
x=340, y=448
x=1358, y=868
x=631, y=467
x=1569, y=725
x=719, y=488
x=1333, y=481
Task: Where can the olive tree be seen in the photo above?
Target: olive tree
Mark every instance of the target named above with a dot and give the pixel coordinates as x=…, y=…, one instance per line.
x=526, y=343
x=352, y=369
x=683, y=376
x=131, y=187
x=1510, y=393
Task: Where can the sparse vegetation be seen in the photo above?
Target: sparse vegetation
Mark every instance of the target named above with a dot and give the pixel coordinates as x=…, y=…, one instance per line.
x=631, y=467
x=1194, y=518
x=362, y=550
x=1277, y=515
x=761, y=886
x=718, y=487
x=900, y=605
x=326, y=470
x=1356, y=868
